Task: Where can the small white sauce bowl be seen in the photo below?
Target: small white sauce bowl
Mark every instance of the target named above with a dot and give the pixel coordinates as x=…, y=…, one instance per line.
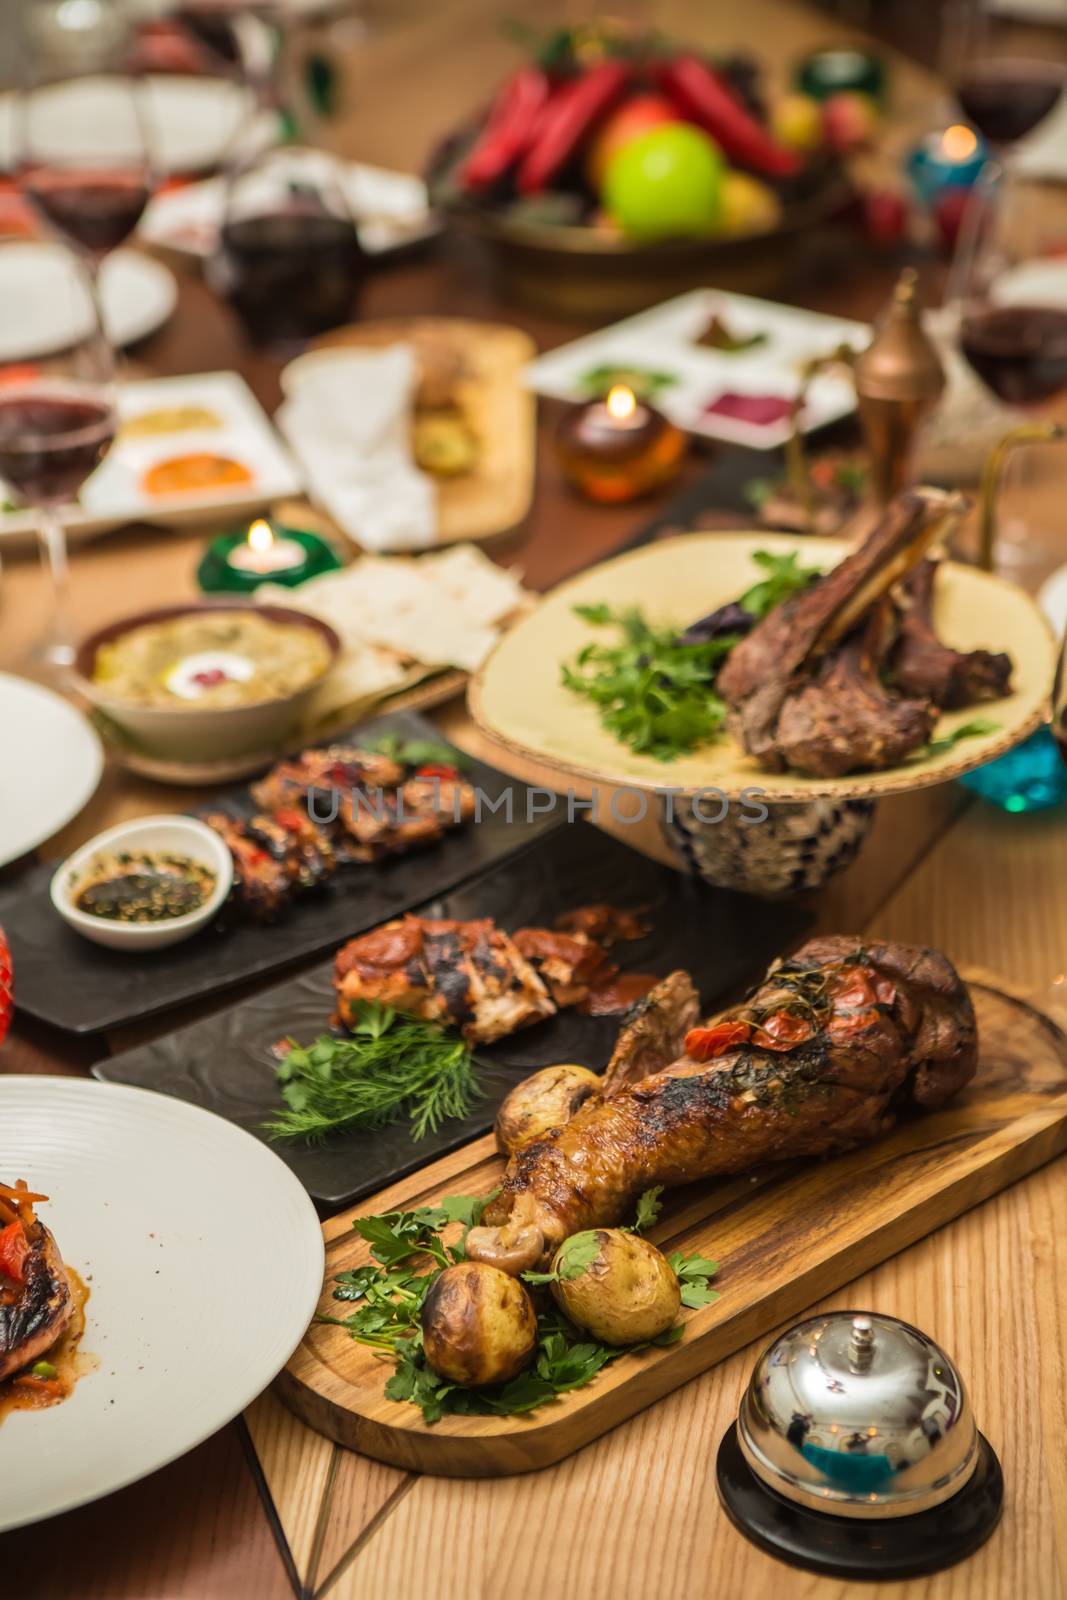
x=170, y=835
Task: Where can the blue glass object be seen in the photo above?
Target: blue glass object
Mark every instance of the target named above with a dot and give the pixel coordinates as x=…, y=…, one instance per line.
x=1031, y=777
x=949, y=160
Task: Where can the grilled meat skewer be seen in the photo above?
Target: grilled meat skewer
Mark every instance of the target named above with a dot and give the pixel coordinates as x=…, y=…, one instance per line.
x=834, y=1045
x=472, y=974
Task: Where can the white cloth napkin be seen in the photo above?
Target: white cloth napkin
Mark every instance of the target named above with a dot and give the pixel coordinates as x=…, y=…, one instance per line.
x=348, y=422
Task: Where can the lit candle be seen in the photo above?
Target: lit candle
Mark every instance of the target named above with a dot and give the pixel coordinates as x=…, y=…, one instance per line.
x=948, y=160
x=619, y=447
x=240, y=562
x=265, y=555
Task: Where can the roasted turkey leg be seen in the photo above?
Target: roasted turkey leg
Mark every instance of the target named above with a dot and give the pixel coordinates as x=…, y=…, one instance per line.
x=835, y=1044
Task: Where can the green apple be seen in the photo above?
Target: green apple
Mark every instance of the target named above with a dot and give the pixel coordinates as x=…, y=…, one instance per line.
x=665, y=183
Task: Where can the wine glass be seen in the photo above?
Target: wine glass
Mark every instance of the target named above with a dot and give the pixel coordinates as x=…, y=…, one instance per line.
x=1004, y=78
x=83, y=158
x=57, y=422
x=288, y=259
x=1007, y=294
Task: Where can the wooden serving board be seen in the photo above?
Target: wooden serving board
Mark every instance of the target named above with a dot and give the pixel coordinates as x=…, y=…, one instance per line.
x=783, y=1238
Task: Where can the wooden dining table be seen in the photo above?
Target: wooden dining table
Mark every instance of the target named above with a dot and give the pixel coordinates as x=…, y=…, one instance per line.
x=266, y=1507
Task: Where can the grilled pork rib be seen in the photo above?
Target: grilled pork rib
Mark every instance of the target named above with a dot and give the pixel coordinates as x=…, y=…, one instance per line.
x=35, y=1312
x=923, y=665
x=834, y=1045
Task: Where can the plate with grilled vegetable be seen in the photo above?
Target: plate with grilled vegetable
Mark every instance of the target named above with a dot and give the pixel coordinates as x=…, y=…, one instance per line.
x=329, y=842
x=408, y=1041
x=799, y=668
x=119, y=1303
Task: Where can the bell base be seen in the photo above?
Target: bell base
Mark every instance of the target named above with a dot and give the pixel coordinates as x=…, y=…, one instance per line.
x=860, y=1548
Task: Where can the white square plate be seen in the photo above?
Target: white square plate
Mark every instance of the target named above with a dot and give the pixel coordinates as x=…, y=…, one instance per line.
x=113, y=495
x=663, y=340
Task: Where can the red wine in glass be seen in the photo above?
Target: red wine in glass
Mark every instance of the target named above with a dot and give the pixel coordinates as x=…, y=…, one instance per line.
x=95, y=208
x=290, y=274
x=1006, y=99
x=1018, y=351
x=52, y=436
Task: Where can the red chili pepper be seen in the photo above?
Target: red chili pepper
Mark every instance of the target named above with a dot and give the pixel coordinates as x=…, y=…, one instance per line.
x=566, y=120
x=783, y=1031
x=437, y=769
x=706, y=1044
x=509, y=130
x=13, y=1251
x=702, y=97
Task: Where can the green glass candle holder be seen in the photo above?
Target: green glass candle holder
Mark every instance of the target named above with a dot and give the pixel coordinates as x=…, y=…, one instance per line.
x=831, y=71
x=237, y=563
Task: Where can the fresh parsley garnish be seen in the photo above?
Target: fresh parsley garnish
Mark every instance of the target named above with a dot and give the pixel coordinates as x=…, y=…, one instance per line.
x=573, y=1257
x=948, y=741
x=409, y=1254
x=783, y=578
x=649, y=1207
x=418, y=752
x=694, y=1273
x=655, y=689
x=390, y=1066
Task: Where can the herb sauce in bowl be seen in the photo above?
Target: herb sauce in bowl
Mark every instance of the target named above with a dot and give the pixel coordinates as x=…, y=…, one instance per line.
x=143, y=886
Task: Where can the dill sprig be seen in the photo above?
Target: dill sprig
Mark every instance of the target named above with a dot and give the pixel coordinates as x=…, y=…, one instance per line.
x=390, y=1065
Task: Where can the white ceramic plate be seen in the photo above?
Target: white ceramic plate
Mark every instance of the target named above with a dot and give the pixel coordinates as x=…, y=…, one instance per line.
x=191, y=122
x=115, y=495
x=664, y=340
x=50, y=765
x=206, y=1260
x=41, y=310
x=391, y=210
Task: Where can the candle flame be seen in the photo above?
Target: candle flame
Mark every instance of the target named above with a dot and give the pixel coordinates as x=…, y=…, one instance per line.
x=621, y=402
x=959, y=142
x=260, y=536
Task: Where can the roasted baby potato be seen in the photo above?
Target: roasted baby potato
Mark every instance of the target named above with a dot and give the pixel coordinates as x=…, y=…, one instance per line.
x=478, y=1325
x=628, y=1292
x=547, y=1099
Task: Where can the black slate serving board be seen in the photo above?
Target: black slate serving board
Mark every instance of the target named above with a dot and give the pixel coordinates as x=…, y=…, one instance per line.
x=65, y=980
x=225, y=1064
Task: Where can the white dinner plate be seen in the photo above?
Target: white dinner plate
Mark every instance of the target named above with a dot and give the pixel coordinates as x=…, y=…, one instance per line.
x=50, y=764
x=43, y=310
x=191, y=123
x=206, y=1262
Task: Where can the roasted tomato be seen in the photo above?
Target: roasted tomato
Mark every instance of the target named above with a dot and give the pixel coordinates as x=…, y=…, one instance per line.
x=13, y=1251
x=706, y=1044
x=783, y=1031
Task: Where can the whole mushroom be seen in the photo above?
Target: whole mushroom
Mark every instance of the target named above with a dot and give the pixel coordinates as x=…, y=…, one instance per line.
x=478, y=1325
x=545, y=1100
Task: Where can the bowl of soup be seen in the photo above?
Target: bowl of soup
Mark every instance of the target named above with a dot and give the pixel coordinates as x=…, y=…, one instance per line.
x=206, y=680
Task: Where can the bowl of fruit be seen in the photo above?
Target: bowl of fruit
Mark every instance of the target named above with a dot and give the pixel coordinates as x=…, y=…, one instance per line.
x=611, y=170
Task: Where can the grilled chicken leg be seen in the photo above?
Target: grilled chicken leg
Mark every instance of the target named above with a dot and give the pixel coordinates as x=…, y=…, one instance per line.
x=832, y=1047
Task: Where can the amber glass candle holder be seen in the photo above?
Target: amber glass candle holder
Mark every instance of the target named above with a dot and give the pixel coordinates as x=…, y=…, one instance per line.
x=619, y=447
